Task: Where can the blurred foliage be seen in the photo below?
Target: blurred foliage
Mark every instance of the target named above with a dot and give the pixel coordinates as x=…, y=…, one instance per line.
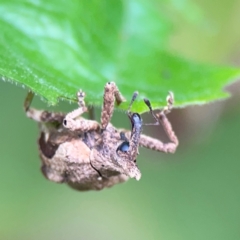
x=193, y=194
x=56, y=47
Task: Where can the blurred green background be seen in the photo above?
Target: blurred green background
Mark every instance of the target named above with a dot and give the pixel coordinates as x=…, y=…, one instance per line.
x=193, y=194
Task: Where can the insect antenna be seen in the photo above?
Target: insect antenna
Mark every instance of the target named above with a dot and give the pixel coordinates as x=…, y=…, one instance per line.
x=147, y=102
x=135, y=94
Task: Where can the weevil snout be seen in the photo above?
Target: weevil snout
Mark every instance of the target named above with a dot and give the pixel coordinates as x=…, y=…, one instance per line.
x=136, y=120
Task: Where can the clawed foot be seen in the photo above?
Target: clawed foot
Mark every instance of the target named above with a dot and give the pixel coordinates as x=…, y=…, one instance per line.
x=170, y=100
x=81, y=95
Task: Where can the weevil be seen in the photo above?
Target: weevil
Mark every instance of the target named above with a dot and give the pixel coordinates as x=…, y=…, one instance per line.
x=88, y=155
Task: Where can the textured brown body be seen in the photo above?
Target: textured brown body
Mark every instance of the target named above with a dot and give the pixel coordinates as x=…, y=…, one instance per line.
x=68, y=157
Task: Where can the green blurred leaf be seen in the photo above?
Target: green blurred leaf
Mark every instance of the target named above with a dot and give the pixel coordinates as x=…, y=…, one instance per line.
x=56, y=47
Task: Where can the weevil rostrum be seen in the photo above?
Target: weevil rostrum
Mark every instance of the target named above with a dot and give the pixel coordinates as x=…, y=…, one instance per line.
x=88, y=155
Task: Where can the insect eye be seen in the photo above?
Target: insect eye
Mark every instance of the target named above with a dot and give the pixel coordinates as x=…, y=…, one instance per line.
x=64, y=122
x=123, y=147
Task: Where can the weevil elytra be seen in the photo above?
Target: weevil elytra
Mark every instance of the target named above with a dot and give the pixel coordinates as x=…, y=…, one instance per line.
x=88, y=155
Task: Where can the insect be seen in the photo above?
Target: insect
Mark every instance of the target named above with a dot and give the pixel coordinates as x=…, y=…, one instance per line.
x=88, y=155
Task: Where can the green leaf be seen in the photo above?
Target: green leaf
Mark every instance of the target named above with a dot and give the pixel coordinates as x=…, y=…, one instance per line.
x=56, y=47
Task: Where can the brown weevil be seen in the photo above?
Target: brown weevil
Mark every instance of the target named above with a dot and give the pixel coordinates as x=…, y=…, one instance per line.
x=88, y=155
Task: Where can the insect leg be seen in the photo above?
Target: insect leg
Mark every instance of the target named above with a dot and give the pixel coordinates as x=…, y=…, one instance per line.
x=111, y=93
x=73, y=121
x=40, y=115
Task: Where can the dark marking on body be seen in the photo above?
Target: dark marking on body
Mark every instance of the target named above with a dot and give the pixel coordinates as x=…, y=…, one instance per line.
x=46, y=147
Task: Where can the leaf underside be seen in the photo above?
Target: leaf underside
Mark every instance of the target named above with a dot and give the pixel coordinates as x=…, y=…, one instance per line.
x=55, y=48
